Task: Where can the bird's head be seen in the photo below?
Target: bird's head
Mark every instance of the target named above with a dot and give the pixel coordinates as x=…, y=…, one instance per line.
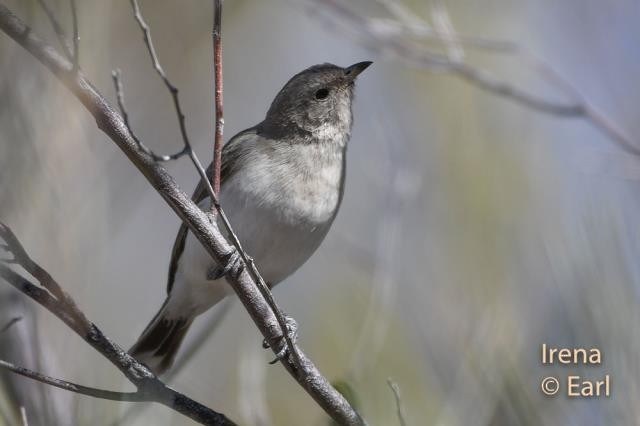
x=315, y=103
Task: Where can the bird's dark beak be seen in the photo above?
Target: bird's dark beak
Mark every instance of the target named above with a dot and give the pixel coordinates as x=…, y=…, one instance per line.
x=354, y=70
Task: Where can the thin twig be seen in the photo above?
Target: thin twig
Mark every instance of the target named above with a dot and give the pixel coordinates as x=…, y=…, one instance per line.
x=73, y=387
x=199, y=223
x=76, y=36
x=442, y=22
x=116, y=75
x=22, y=258
x=396, y=394
x=11, y=322
x=23, y=416
x=219, y=116
x=386, y=40
x=173, y=90
x=57, y=28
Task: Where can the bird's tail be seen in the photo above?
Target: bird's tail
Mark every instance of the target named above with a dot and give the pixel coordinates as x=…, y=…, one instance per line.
x=158, y=344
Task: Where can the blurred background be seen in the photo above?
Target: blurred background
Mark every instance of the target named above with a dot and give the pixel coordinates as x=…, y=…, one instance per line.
x=473, y=228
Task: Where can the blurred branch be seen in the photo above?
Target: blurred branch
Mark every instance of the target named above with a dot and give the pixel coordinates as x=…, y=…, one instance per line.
x=21, y=341
x=388, y=37
x=396, y=394
x=76, y=36
x=23, y=415
x=51, y=296
x=258, y=301
x=442, y=22
x=217, y=71
x=11, y=322
x=57, y=28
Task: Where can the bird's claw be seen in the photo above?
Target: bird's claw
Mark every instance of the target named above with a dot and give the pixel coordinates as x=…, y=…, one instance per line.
x=232, y=261
x=292, y=333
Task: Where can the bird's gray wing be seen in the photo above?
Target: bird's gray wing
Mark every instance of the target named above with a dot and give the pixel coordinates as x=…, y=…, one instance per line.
x=230, y=155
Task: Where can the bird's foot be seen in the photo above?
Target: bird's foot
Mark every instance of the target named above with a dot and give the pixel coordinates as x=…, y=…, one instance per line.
x=292, y=333
x=232, y=263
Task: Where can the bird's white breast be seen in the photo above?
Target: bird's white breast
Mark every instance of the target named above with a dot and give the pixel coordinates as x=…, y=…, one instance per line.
x=281, y=202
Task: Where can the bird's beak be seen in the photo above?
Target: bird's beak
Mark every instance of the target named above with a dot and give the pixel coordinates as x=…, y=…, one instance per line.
x=354, y=70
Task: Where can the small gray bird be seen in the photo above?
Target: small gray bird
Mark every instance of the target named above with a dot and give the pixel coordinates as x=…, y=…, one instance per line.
x=281, y=187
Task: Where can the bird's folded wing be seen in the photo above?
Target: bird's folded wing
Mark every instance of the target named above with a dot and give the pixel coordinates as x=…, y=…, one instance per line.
x=227, y=169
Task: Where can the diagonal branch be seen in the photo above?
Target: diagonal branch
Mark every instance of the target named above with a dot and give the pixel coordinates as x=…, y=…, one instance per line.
x=57, y=28
x=112, y=124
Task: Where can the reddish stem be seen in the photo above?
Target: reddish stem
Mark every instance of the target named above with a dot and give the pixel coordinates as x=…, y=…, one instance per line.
x=219, y=115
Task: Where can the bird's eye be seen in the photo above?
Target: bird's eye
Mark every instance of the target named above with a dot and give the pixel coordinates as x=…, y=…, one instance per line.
x=322, y=94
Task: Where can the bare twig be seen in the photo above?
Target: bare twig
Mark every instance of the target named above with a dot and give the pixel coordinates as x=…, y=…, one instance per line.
x=173, y=90
x=52, y=288
x=23, y=416
x=22, y=344
x=11, y=322
x=149, y=387
x=396, y=394
x=199, y=223
x=76, y=36
x=387, y=39
x=401, y=12
x=217, y=71
x=385, y=27
x=72, y=387
x=57, y=28
x=442, y=22
x=116, y=75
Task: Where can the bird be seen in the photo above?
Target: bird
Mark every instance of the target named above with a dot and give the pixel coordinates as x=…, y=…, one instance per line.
x=282, y=183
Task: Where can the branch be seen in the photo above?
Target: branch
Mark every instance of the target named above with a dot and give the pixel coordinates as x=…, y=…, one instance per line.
x=72, y=387
x=149, y=387
x=217, y=71
x=396, y=395
x=57, y=28
x=11, y=322
x=23, y=416
x=76, y=37
x=385, y=37
x=20, y=343
x=112, y=124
